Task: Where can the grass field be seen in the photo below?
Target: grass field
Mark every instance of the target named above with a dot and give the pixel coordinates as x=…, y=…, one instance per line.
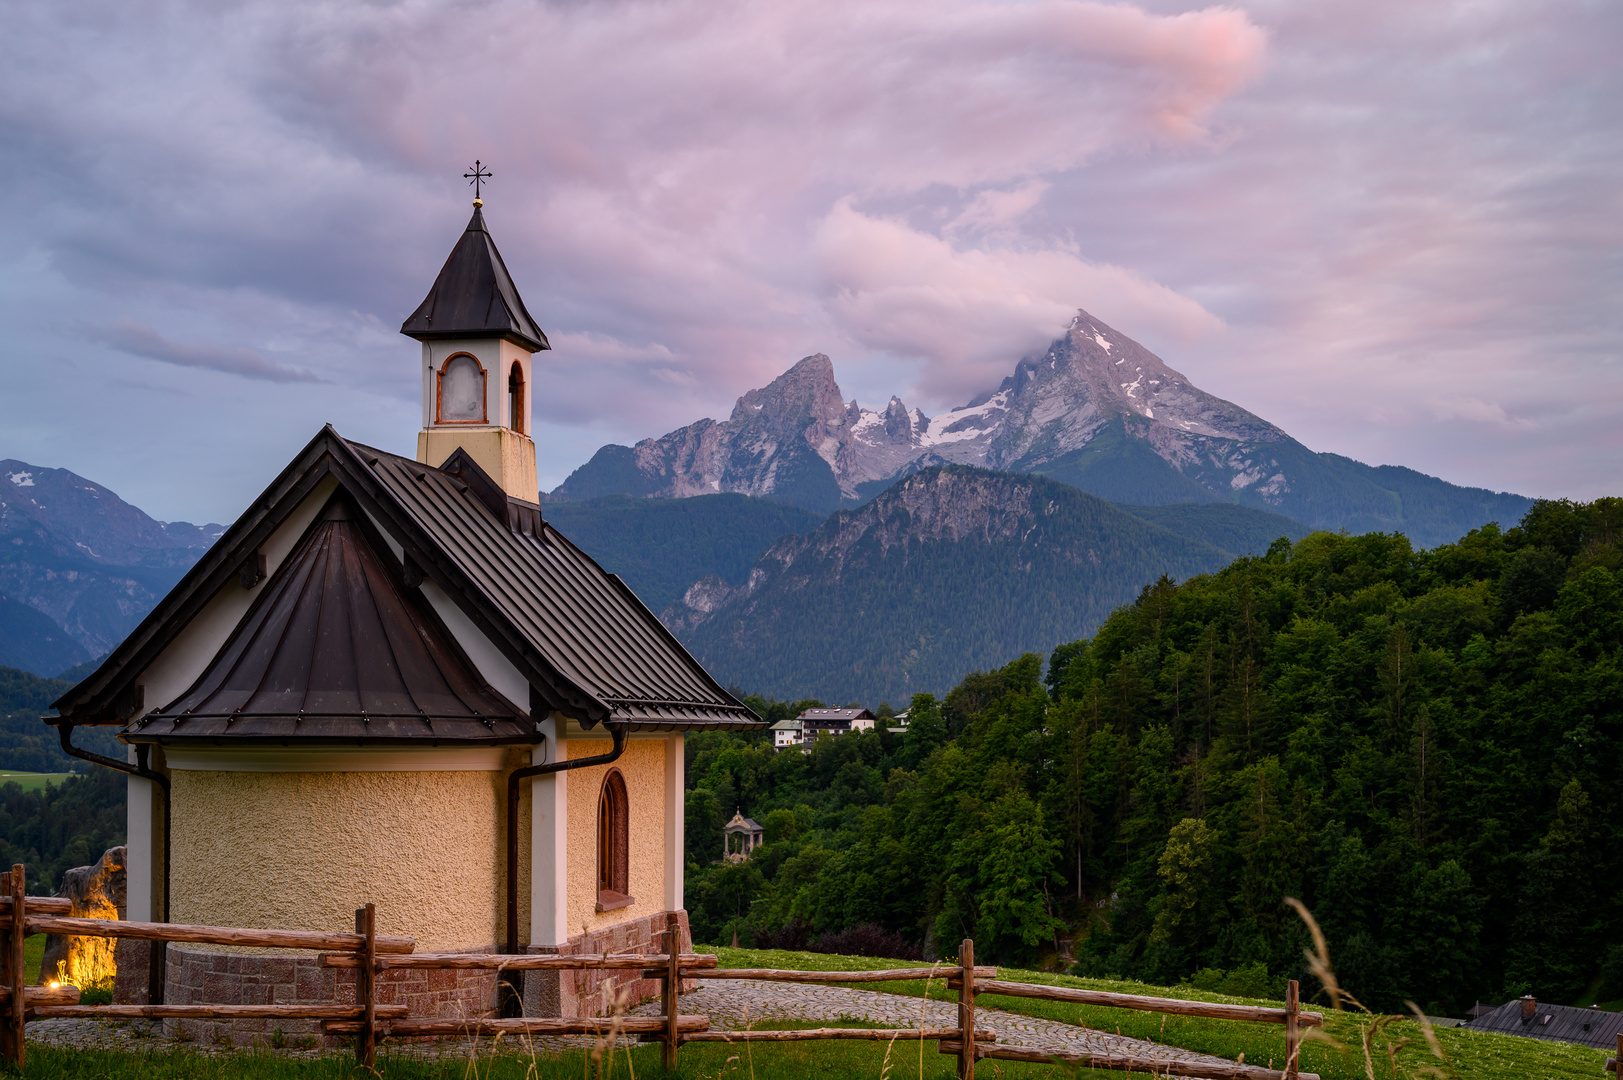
x=1399, y=1043
x=1398, y=1048
x=709, y=1061
x=33, y=781
x=33, y=953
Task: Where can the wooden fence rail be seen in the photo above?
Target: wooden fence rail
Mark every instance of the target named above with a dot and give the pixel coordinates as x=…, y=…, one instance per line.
x=1208, y=1009
x=370, y=953
x=213, y=935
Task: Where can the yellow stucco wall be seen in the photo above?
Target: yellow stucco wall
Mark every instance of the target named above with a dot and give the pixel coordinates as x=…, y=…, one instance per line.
x=643, y=766
x=303, y=850
x=507, y=456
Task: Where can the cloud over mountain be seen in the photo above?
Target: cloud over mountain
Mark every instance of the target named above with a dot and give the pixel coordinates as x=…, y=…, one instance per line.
x=1402, y=216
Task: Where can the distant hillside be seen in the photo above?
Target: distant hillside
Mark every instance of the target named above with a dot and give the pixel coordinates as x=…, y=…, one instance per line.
x=953, y=569
x=33, y=641
x=661, y=546
x=1234, y=530
x=84, y=561
x=26, y=743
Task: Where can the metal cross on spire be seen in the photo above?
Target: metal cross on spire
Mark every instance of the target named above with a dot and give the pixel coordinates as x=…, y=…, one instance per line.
x=477, y=176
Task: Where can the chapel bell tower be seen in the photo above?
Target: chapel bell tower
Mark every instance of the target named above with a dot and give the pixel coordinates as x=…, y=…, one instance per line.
x=478, y=340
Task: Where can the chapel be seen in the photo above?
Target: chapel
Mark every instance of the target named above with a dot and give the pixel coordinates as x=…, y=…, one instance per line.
x=391, y=680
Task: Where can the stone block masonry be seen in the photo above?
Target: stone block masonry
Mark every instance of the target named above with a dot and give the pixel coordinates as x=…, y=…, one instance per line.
x=195, y=977
x=591, y=993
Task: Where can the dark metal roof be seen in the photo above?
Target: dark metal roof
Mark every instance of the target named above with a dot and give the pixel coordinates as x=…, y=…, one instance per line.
x=334, y=650
x=1556, y=1023
x=474, y=296
x=588, y=647
x=833, y=717
x=590, y=629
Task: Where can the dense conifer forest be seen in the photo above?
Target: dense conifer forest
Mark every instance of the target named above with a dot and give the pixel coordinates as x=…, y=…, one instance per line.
x=1425, y=747
x=64, y=824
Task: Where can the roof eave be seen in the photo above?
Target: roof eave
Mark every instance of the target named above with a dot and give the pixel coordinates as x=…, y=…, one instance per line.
x=101, y=696
x=523, y=341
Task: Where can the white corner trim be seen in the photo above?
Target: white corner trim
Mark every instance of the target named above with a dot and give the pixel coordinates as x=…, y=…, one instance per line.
x=339, y=759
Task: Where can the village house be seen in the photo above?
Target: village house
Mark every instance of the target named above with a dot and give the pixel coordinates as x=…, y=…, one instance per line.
x=819, y=722
x=803, y=730
x=391, y=680
x=786, y=733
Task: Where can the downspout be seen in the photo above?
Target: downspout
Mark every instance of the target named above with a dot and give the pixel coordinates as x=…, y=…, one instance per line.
x=143, y=751
x=618, y=734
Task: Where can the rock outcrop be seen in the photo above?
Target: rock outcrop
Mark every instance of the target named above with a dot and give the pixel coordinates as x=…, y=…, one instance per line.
x=97, y=892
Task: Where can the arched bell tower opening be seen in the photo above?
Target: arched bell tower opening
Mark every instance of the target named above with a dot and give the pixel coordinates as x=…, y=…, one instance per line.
x=461, y=393
x=517, y=418
x=477, y=340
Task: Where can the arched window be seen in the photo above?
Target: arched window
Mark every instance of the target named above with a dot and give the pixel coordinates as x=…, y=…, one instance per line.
x=515, y=398
x=462, y=391
x=613, y=844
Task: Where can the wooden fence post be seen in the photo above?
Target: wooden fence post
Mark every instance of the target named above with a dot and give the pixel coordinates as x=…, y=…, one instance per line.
x=366, y=992
x=8, y=1049
x=18, y=970
x=673, y=985
x=1293, y=1037
x=966, y=1010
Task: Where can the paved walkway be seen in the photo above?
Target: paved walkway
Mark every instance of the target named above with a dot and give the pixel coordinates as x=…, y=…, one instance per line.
x=735, y=1003
x=729, y=1003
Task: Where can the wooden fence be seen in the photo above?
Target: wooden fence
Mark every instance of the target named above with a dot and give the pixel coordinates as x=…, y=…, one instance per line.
x=371, y=953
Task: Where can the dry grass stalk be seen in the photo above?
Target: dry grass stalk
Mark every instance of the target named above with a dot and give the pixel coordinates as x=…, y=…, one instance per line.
x=1318, y=962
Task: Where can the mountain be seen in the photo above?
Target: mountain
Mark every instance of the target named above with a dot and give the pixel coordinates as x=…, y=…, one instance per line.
x=794, y=440
x=33, y=641
x=79, y=567
x=661, y=546
x=952, y=569
x=1097, y=411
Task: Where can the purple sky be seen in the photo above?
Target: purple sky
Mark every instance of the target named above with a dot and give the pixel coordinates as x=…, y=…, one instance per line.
x=1393, y=229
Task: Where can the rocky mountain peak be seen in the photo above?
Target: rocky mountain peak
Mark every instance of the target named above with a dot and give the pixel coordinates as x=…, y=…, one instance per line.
x=1096, y=410
x=805, y=394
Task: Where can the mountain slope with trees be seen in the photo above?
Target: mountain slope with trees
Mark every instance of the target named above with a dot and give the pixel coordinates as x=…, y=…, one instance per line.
x=1422, y=746
x=661, y=546
x=80, y=567
x=949, y=569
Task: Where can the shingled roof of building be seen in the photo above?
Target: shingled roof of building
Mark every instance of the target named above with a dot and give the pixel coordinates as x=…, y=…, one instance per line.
x=1556, y=1023
x=587, y=646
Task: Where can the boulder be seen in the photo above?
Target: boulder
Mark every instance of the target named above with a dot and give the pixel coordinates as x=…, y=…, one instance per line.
x=96, y=892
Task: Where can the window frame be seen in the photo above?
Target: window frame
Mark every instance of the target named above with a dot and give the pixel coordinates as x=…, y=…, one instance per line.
x=613, y=843
x=439, y=391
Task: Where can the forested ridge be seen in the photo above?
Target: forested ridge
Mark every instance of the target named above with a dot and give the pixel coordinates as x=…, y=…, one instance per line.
x=1425, y=747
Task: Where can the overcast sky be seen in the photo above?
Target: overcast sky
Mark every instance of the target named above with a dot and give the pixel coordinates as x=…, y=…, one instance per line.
x=1393, y=229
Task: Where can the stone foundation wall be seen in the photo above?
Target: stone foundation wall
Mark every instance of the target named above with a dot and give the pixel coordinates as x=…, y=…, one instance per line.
x=193, y=977
x=590, y=993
